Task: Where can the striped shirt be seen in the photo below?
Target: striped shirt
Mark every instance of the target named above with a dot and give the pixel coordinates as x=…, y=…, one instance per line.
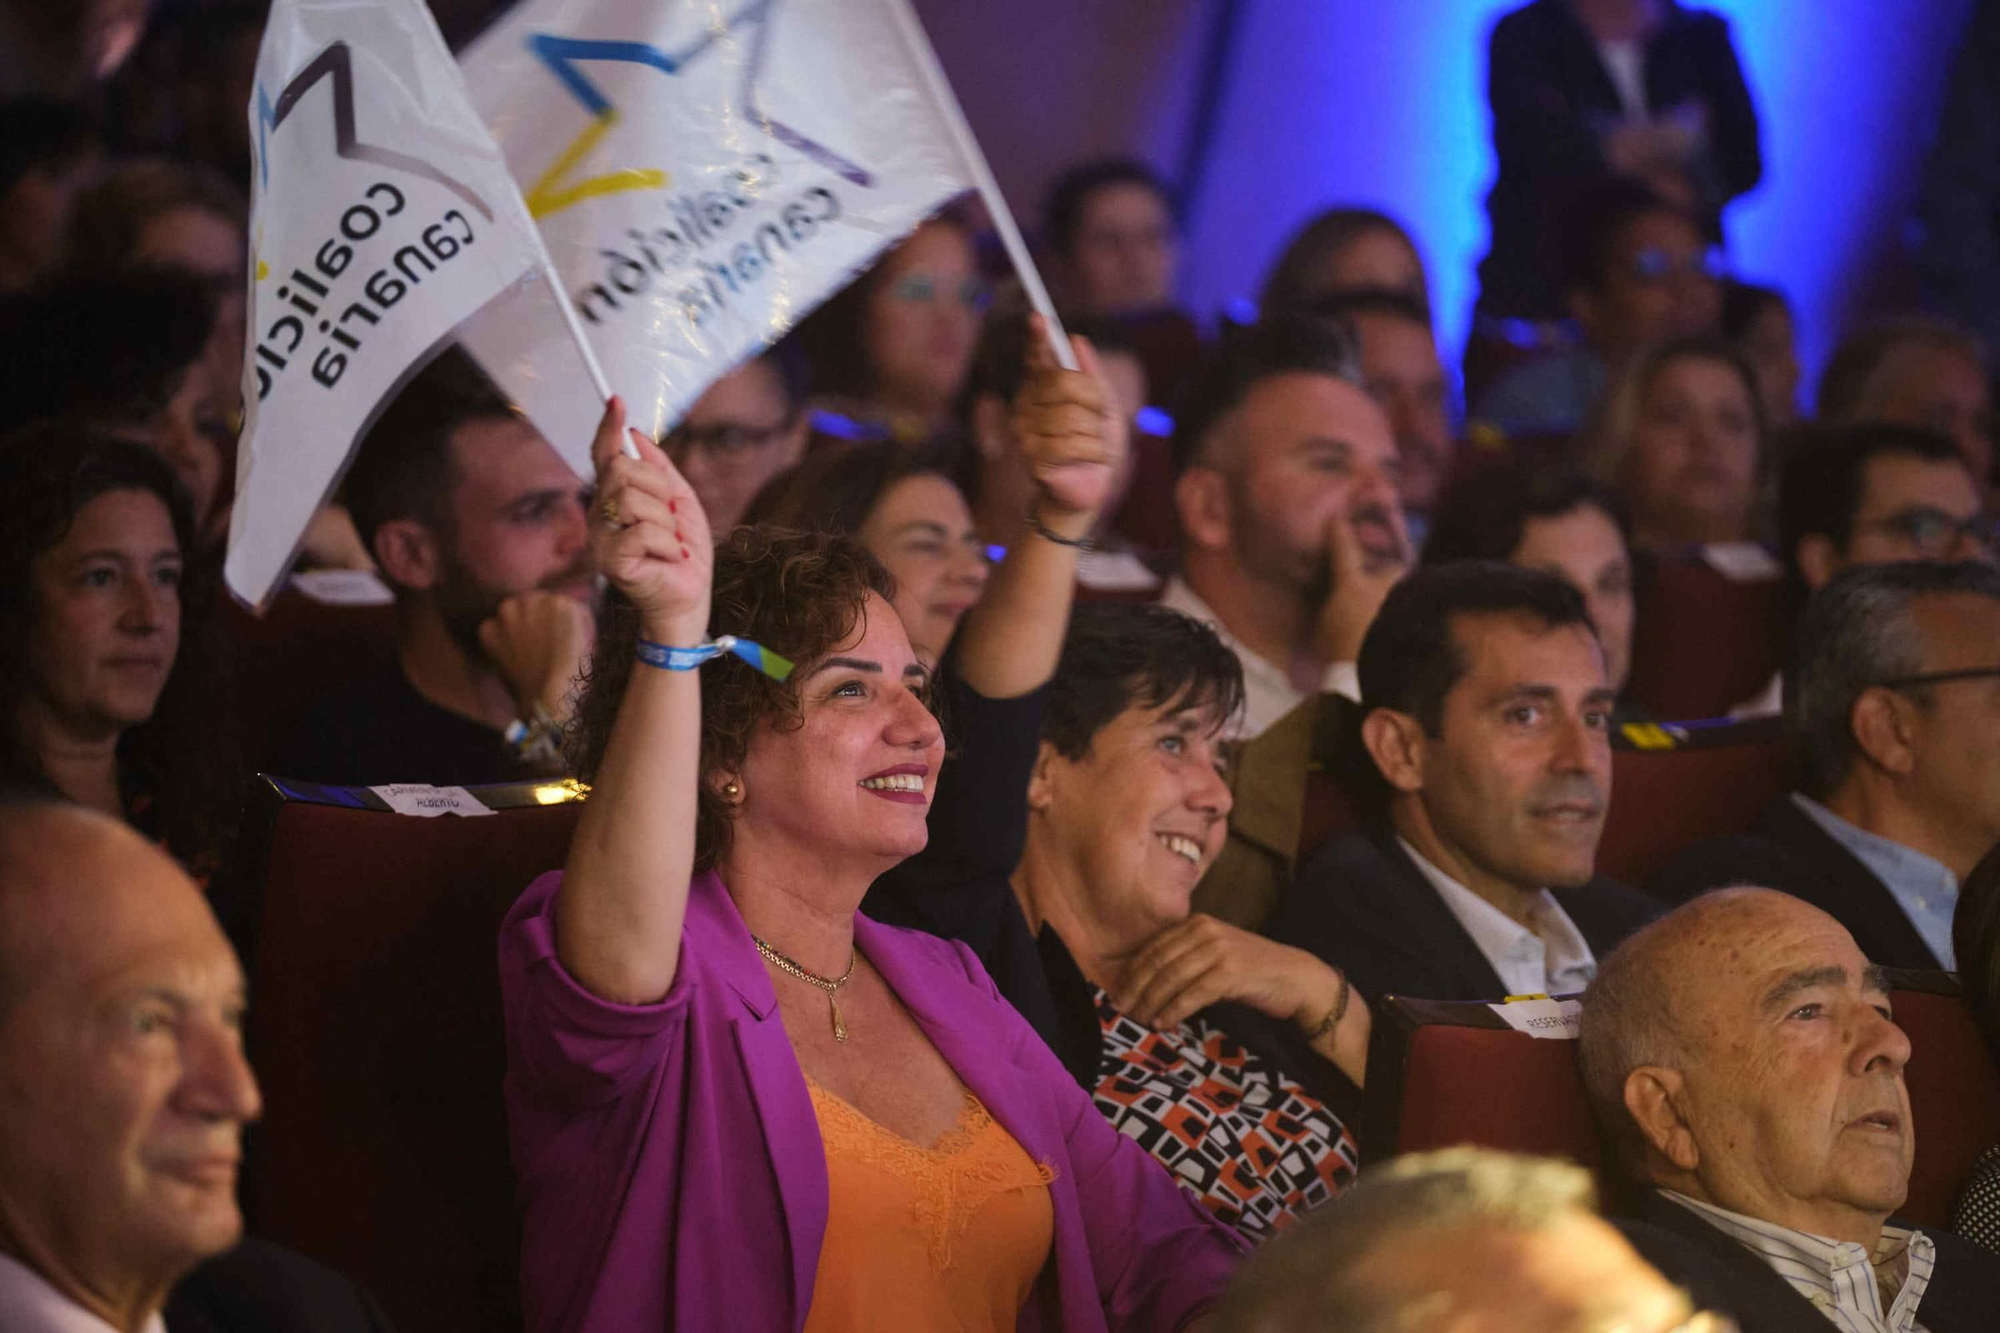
x=1842, y=1280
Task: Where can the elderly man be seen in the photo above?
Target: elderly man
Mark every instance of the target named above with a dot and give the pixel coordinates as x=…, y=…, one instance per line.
x=1741, y=1055
x=123, y=1097
x=1459, y=1241
x=1486, y=717
x=1893, y=696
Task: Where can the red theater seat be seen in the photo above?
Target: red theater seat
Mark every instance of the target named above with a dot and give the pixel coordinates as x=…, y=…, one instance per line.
x=1441, y=1074
x=1954, y=1090
x=1673, y=785
x=296, y=651
x=1147, y=518
x=1704, y=642
x=376, y=1035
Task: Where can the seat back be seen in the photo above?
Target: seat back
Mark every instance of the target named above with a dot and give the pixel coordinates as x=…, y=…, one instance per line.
x=1954, y=1090
x=1675, y=784
x=1443, y=1073
x=1147, y=517
x=1446, y=1073
x=296, y=651
x=1703, y=642
x=377, y=1038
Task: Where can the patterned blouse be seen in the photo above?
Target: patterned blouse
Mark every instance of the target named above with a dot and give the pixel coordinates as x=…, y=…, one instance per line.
x=1256, y=1147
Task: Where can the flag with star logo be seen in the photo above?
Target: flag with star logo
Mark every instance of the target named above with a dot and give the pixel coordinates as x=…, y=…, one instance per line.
x=706, y=175
x=382, y=215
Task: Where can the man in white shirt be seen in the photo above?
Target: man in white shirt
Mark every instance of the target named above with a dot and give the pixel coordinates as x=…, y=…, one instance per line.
x=123, y=1097
x=1741, y=1056
x=1292, y=532
x=1485, y=715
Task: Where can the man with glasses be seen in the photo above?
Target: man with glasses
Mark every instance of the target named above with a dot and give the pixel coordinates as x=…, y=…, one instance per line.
x=1868, y=494
x=1893, y=699
x=1640, y=272
x=748, y=427
x=1743, y=1062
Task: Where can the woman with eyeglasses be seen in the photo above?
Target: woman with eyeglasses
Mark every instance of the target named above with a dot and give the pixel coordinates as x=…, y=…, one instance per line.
x=1680, y=437
x=1638, y=271
x=891, y=353
x=905, y=506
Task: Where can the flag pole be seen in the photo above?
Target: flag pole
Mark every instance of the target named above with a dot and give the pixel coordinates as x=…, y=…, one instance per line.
x=919, y=47
x=590, y=363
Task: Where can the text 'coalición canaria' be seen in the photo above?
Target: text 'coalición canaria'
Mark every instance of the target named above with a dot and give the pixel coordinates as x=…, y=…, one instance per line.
x=310, y=291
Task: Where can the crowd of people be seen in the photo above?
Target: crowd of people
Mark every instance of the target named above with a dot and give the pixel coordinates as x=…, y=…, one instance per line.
x=940, y=944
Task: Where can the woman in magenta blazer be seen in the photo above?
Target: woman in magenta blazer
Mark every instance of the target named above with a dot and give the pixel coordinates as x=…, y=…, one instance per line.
x=700, y=1024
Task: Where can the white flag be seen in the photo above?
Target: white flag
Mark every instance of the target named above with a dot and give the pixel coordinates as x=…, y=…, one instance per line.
x=704, y=175
x=382, y=215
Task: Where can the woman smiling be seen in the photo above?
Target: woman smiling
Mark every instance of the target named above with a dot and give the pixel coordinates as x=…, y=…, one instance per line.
x=735, y=1101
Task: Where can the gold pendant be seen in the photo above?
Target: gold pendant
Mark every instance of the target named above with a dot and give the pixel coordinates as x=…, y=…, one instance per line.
x=839, y=1028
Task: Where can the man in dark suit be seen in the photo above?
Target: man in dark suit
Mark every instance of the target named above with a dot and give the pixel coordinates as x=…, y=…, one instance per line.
x=123, y=1097
x=1485, y=716
x=1741, y=1059
x=1894, y=699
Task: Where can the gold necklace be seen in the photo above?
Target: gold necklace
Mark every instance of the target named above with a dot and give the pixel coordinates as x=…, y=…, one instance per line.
x=830, y=985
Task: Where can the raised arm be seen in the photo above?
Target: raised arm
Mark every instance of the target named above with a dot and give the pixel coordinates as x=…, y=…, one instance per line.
x=1072, y=435
x=624, y=893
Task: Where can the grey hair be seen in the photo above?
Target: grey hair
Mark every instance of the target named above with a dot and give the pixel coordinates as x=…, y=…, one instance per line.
x=1857, y=632
x=1307, y=1279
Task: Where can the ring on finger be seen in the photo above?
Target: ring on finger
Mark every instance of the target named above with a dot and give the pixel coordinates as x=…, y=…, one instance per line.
x=609, y=511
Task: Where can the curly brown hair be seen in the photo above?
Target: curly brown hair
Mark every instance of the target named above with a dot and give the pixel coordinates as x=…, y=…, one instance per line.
x=799, y=594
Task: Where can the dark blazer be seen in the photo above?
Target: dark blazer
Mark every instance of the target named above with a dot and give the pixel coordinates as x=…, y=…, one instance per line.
x=1551, y=98
x=1721, y=1274
x=1785, y=849
x=259, y=1287
x=1365, y=907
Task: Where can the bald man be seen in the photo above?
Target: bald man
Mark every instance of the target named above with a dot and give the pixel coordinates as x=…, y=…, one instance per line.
x=1465, y=1240
x=124, y=1093
x=1741, y=1055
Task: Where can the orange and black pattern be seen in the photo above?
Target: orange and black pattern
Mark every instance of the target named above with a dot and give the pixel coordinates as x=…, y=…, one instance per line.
x=1257, y=1148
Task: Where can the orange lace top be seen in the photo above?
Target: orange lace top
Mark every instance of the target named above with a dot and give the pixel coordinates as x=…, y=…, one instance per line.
x=899, y=1217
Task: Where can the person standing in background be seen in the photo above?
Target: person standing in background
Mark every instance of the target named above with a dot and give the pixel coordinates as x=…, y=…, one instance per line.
x=1584, y=89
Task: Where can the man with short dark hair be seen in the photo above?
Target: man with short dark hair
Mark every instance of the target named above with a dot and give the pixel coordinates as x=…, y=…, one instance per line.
x=1741, y=1056
x=1292, y=532
x=1893, y=699
x=1869, y=494
x=482, y=530
x=1110, y=228
x=1402, y=371
x=1640, y=271
x=123, y=1097
x=1486, y=716
x=1915, y=371
x=745, y=429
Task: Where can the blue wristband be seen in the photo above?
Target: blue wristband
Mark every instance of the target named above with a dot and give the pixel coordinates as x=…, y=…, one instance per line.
x=687, y=659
